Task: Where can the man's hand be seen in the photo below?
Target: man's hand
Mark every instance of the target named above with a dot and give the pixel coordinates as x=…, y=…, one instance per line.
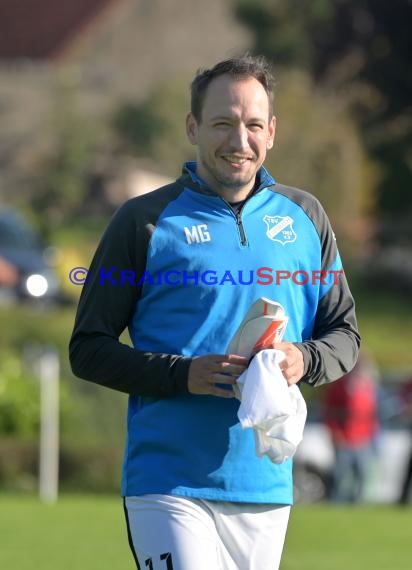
x=293, y=366
x=207, y=371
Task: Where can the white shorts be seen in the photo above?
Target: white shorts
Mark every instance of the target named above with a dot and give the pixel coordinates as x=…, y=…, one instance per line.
x=176, y=533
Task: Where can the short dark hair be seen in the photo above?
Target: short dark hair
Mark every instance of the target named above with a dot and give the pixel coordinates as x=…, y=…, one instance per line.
x=237, y=67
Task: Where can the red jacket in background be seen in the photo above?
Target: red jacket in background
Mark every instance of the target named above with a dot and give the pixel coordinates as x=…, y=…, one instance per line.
x=351, y=408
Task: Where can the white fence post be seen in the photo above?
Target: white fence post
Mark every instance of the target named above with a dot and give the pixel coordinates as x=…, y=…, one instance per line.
x=49, y=372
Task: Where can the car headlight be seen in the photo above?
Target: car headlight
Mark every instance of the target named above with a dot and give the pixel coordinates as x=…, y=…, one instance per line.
x=37, y=285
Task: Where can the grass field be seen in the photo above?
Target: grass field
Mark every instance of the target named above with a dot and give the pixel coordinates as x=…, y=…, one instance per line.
x=88, y=533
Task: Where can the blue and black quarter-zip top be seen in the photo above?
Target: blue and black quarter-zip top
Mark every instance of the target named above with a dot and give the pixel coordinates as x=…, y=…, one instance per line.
x=179, y=267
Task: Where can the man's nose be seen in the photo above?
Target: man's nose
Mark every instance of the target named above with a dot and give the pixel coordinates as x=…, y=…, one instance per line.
x=239, y=137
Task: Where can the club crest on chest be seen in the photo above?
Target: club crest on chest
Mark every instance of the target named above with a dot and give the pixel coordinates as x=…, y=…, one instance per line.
x=280, y=229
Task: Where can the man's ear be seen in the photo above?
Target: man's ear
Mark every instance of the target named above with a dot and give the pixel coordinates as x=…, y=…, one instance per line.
x=191, y=129
x=271, y=133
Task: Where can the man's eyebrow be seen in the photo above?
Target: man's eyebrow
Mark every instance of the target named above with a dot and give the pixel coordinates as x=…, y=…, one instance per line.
x=233, y=117
x=221, y=117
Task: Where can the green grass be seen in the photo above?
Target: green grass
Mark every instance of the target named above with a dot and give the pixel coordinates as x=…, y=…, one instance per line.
x=326, y=537
x=78, y=533
x=83, y=532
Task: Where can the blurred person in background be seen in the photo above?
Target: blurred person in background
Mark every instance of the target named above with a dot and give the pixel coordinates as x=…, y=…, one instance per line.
x=405, y=396
x=350, y=411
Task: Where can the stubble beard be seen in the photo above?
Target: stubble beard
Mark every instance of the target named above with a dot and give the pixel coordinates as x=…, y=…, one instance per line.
x=227, y=182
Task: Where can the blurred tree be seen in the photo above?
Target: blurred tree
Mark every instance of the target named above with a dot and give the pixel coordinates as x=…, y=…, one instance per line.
x=138, y=126
x=155, y=128
x=19, y=399
x=360, y=49
x=64, y=171
x=319, y=148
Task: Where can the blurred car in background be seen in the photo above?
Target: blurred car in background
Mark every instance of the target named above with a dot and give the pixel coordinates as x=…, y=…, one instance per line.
x=314, y=459
x=25, y=271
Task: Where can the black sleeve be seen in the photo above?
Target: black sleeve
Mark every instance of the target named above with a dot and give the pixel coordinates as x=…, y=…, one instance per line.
x=106, y=307
x=334, y=347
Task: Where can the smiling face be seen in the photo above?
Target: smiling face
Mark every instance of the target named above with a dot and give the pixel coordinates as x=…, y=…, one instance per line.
x=235, y=132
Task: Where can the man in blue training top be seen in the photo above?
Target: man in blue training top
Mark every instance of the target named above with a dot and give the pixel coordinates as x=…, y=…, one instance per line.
x=196, y=495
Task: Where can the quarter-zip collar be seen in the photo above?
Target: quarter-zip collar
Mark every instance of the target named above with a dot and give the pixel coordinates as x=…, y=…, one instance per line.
x=190, y=179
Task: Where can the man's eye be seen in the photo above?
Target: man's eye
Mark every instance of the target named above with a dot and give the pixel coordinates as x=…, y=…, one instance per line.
x=255, y=127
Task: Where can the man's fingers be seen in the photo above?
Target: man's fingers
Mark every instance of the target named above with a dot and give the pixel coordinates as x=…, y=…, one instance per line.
x=232, y=365
x=208, y=371
x=236, y=359
x=221, y=392
x=230, y=358
x=232, y=369
x=222, y=379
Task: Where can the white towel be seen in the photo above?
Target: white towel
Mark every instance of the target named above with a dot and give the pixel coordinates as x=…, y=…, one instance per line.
x=276, y=411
